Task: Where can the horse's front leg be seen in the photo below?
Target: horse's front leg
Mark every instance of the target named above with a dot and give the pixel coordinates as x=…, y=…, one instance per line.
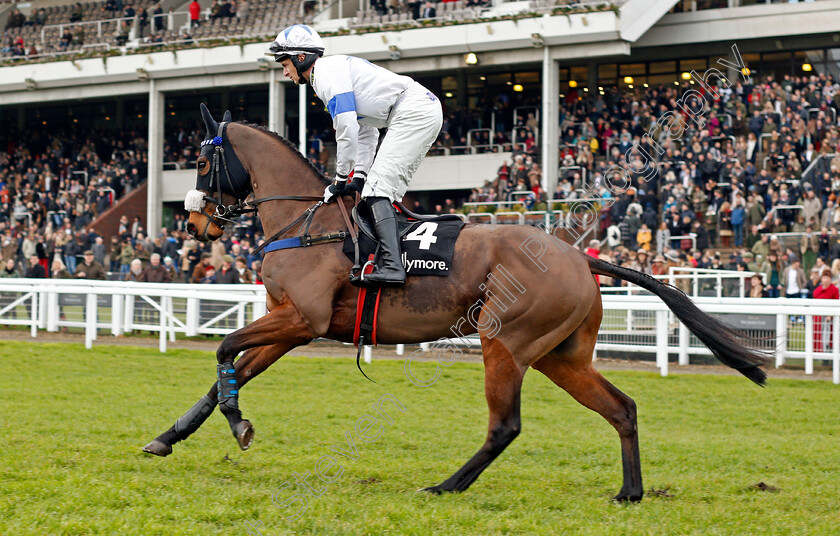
x=251, y=364
x=283, y=326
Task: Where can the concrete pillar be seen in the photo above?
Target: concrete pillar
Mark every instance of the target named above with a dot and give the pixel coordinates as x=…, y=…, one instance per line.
x=549, y=124
x=461, y=90
x=276, y=103
x=302, y=118
x=592, y=76
x=120, y=114
x=225, y=99
x=155, y=180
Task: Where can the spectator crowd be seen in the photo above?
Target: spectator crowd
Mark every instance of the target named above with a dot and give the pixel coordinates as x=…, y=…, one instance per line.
x=728, y=193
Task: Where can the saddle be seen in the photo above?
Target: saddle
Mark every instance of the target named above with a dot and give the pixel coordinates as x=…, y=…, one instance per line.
x=405, y=219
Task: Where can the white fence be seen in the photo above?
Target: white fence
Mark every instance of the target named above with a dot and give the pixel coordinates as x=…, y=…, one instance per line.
x=796, y=328
x=123, y=307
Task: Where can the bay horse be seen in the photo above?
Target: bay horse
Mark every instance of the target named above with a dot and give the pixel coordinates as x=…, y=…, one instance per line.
x=550, y=323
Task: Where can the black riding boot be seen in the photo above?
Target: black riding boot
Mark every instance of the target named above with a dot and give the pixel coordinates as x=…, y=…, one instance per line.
x=385, y=222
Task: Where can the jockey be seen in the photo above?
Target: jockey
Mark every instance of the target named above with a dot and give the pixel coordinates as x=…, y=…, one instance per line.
x=362, y=98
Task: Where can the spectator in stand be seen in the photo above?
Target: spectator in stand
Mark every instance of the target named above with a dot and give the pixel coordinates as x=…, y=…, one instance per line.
x=756, y=286
x=199, y=273
x=155, y=272
x=66, y=39
x=126, y=254
x=209, y=276
x=794, y=280
x=35, y=270
x=158, y=21
x=76, y=12
x=89, y=269
x=135, y=270
x=227, y=274
x=59, y=271
x=15, y=20
x=99, y=250
x=245, y=275
x=195, y=14
x=429, y=11
x=256, y=266
x=171, y=268
x=822, y=330
x=772, y=269
x=140, y=251
x=9, y=269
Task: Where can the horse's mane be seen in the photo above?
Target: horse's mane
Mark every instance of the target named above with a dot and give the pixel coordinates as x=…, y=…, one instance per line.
x=291, y=146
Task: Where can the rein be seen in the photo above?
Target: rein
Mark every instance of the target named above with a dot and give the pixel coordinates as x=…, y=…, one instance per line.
x=227, y=213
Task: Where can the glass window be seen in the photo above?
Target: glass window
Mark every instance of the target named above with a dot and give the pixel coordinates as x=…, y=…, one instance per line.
x=663, y=79
x=662, y=67
x=631, y=68
x=579, y=74
x=698, y=64
x=527, y=78
x=607, y=71
x=449, y=83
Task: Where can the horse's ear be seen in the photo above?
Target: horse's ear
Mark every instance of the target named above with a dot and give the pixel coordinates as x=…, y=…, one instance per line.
x=227, y=117
x=209, y=122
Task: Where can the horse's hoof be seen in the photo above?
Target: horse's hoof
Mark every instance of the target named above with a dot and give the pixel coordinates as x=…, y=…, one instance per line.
x=434, y=490
x=244, y=434
x=158, y=448
x=627, y=498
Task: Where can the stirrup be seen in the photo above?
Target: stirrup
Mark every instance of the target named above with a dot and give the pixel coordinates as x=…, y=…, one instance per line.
x=358, y=279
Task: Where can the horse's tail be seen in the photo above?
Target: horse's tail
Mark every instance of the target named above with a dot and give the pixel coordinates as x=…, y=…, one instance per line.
x=726, y=343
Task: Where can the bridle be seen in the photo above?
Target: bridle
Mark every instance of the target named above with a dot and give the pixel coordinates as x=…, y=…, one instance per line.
x=227, y=213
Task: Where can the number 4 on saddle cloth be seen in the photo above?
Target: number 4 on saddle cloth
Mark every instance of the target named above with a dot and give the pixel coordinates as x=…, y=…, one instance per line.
x=427, y=244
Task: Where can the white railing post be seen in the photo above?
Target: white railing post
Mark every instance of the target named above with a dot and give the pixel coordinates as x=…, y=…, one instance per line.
x=684, y=337
x=34, y=306
x=164, y=323
x=781, y=338
x=116, y=314
x=809, y=343
x=192, y=317
x=42, y=310
x=53, y=311
x=240, y=316
x=662, y=341
x=424, y=346
x=90, y=319
x=400, y=349
x=170, y=315
x=258, y=310
x=719, y=286
x=128, y=313
x=835, y=351
x=368, y=354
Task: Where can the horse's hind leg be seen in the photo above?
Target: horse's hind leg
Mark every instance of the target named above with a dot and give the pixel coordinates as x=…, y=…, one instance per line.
x=251, y=364
x=570, y=366
x=502, y=386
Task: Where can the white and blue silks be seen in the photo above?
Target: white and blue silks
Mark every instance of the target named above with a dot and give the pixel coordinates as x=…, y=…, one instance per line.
x=362, y=98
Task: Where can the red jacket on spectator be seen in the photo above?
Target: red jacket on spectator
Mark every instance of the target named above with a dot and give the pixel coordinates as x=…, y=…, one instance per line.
x=195, y=10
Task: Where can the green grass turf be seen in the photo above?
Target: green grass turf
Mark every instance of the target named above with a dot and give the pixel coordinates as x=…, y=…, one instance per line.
x=75, y=421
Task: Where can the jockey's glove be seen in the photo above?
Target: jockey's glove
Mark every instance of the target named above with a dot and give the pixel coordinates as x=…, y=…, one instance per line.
x=335, y=189
x=340, y=187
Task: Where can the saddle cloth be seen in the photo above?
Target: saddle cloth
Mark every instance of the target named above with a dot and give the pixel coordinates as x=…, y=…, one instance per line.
x=427, y=242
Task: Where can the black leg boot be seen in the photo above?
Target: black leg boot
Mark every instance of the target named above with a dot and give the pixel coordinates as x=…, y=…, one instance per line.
x=391, y=271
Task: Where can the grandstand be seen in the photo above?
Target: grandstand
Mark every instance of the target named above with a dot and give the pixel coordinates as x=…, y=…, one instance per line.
x=541, y=99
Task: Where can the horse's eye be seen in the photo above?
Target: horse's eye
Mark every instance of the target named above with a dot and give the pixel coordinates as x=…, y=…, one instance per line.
x=201, y=164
